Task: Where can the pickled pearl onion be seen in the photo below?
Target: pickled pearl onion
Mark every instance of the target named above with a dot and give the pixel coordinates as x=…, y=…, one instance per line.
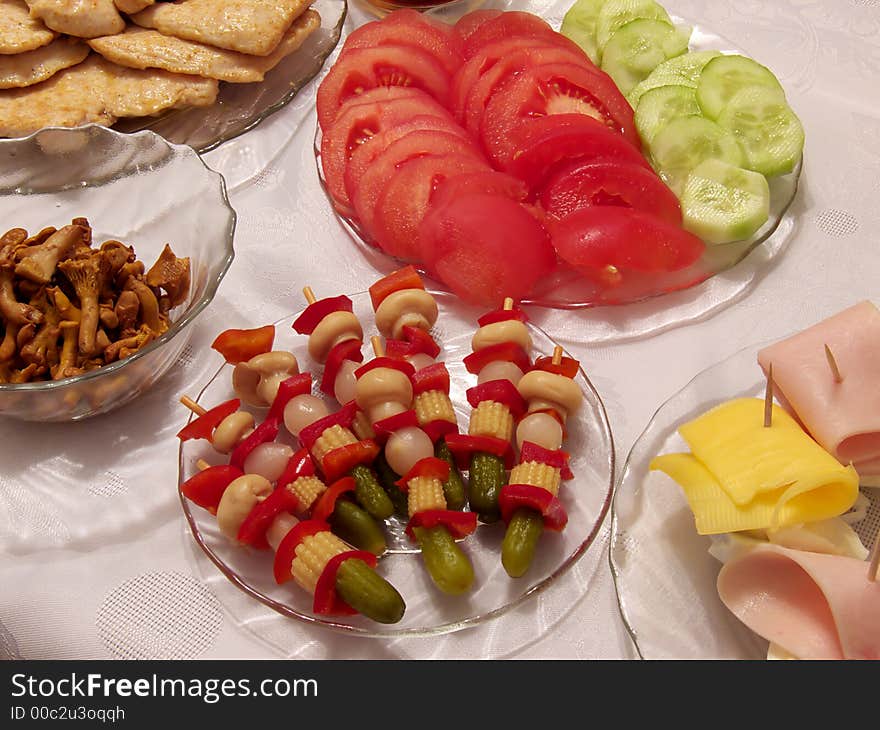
x=541, y=429
x=406, y=447
x=345, y=385
x=420, y=360
x=303, y=411
x=268, y=460
x=500, y=370
x=279, y=528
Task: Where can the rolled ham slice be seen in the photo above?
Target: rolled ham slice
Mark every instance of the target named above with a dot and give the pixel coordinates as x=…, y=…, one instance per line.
x=843, y=417
x=810, y=605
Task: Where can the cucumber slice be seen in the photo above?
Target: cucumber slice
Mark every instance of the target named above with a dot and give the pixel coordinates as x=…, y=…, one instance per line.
x=636, y=49
x=681, y=70
x=769, y=132
x=660, y=106
x=723, y=203
x=614, y=14
x=686, y=142
x=579, y=25
x=724, y=76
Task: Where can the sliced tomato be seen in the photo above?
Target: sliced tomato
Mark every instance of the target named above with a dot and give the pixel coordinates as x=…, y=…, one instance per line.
x=486, y=247
x=604, y=242
x=510, y=24
x=467, y=24
x=581, y=185
x=411, y=28
x=404, y=200
x=360, y=69
x=480, y=182
x=540, y=145
x=420, y=143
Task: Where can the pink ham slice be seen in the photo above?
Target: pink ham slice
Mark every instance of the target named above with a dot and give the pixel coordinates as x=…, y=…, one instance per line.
x=843, y=417
x=814, y=606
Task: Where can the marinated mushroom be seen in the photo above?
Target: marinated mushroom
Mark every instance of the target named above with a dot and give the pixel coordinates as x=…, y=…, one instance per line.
x=86, y=275
x=256, y=381
x=170, y=274
x=38, y=262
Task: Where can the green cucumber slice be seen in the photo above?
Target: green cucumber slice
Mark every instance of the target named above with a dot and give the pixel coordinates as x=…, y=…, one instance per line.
x=681, y=70
x=579, y=25
x=635, y=50
x=614, y=14
x=685, y=142
x=724, y=76
x=660, y=106
x=769, y=132
x=723, y=203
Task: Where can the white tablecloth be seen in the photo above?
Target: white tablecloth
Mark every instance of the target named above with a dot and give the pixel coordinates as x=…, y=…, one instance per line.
x=128, y=581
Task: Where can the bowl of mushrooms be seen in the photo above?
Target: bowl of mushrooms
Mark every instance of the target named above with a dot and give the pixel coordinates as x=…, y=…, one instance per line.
x=111, y=245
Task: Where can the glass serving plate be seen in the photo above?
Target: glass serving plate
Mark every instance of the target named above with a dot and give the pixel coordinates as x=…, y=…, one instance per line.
x=587, y=498
x=663, y=573
x=567, y=289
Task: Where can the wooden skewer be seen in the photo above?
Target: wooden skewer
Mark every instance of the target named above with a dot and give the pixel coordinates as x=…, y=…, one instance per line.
x=202, y=465
x=192, y=405
x=832, y=363
x=309, y=295
x=378, y=347
x=557, y=355
x=768, y=398
x=875, y=560
x=508, y=304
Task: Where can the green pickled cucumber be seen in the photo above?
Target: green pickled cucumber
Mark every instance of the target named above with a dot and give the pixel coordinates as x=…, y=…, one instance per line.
x=485, y=479
x=388, y=479
x=448, y=566
x=369, y=493
x=352, y=523
x=369, y=593
x=453, y=488
x=523, y=532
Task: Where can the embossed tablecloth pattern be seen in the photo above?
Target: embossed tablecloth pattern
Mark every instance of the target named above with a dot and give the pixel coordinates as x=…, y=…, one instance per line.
x=94, y=558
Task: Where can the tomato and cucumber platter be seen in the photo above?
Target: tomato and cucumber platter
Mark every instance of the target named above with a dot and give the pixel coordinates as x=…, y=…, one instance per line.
x=619, y=158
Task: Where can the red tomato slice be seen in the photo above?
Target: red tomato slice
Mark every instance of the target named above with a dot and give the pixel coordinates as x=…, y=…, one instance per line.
x=467, y=24
x=361, y=119
x=603, y=242
x=480, y=182
x=486, y=247
x=511, y=24
x=404, y=200
x=608, y=183
x=415, y=144
x=539, y=145
x=360, y=69
x=411, y=28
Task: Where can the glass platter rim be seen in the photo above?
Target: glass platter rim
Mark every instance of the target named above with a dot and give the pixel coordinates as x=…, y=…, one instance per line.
x=570, y=560
x=268, y=111
x=353, y=230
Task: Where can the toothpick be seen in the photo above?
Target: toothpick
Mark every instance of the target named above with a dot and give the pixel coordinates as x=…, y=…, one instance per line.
x=309, y=295
x=557, y=355
x=202, y=465
x=192, y=405
x=875, y=560
x=378, y=347
x=768, y=398
x=508, y=304
x=832, y=363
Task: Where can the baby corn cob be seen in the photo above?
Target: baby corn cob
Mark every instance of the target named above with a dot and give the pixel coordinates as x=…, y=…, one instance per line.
x=361, y=426
x=332, y=438
x=433, y=405
x=538, y=475
x=425, y=493
x=312, y=556
x=493, y=419
x=307, y=490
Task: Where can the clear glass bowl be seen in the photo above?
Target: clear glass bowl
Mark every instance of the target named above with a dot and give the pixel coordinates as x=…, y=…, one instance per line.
x=586, y=497
x=664, y=576
x=568, y=289
x=136, y=188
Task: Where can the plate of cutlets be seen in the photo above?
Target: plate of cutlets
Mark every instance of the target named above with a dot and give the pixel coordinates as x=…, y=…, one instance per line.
x=198, y=72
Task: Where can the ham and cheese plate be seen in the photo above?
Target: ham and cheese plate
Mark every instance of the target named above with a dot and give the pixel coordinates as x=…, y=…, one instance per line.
x=746, y=522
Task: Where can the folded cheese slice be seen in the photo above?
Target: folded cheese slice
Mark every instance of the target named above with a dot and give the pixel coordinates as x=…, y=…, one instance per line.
x=810, y=605
x=844, y=417
x=743, y=476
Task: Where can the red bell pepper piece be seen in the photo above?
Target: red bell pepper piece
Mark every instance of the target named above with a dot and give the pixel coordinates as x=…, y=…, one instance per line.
x=557, y=459
x=340, y=461
x=385, y=362
x=206, y=487
x=405, y=278
x=513, y=496
x=339, y=353
x=298, y=465
x=253, y=529
x=459, y=524
x=508, y=351
x=203, y=426
x=343, y=417
x=326, y=503
x=286, y=551
x=430, y=466
x=306, y=322
x=265, y=432
x=384, y=428
x=240, y=345
x=420, y=341
x=436, y=430
x=567, y=366
x=326, y=602
x=433, y=377
x=288, y=390
x=397, y=349
x=502, y=315
x=462, y=446
x=500, y=391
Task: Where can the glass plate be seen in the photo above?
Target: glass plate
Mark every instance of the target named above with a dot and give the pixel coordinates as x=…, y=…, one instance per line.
x=241, y=107
x=428, y=611
x=663, y=573
x=567, y=289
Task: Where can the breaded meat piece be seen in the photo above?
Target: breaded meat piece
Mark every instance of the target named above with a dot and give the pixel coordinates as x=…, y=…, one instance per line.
x=26, y=69
x=81, y=18
x=19, y=32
